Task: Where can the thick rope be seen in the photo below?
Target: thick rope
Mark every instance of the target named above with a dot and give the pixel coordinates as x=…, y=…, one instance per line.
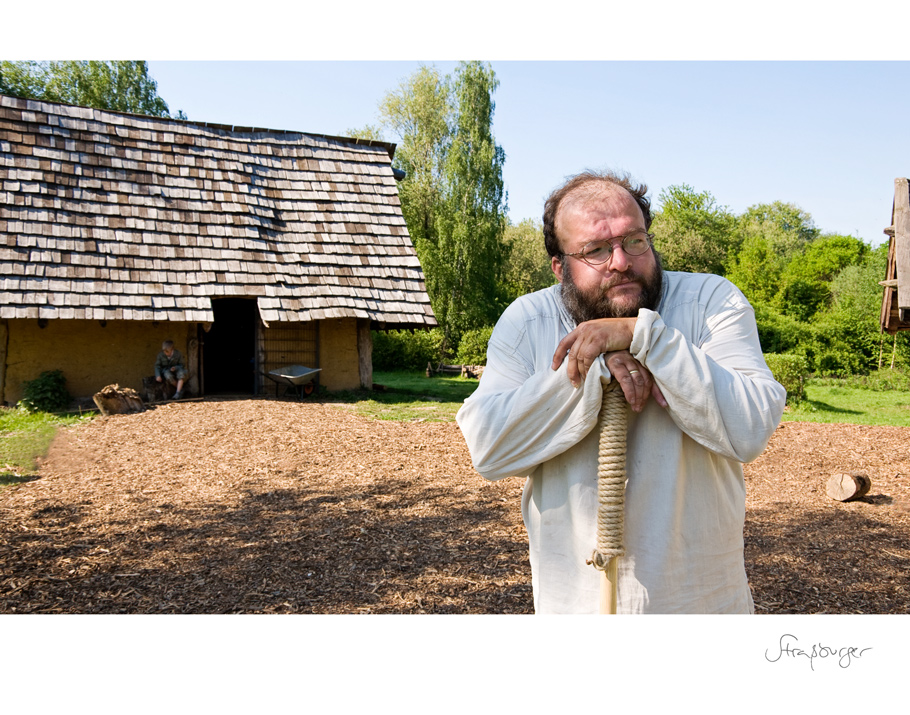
x=611, y=477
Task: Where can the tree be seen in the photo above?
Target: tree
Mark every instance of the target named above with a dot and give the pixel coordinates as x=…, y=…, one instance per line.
x=119, y=85
x=421, y=114
x=452, y=196
x=370, y=132
x=791, y=223
x=465, y=265
x=849, y=331
x=805, y=282
x=691, y=232
x=769, y=236
x=527, y=266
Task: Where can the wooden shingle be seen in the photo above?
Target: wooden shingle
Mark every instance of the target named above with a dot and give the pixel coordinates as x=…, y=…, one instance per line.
x=152, y=218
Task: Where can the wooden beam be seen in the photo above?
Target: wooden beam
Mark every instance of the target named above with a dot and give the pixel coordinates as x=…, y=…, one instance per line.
x=902, y=241
x=4, y=356
x=365, y=352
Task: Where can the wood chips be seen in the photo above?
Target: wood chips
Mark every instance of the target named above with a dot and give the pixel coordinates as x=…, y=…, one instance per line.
x=264, y=506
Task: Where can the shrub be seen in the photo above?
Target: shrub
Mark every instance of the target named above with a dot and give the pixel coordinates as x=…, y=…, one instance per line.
x=406, y=350
x=46, y=393
x=790, y=371
x=780, y=333
x=472, y=350
x=884, y=380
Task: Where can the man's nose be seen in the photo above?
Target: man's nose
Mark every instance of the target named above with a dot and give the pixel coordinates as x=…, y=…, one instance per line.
x=619, y=261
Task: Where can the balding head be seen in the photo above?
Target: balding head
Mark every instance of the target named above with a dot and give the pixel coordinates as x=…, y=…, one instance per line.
x=583, y=188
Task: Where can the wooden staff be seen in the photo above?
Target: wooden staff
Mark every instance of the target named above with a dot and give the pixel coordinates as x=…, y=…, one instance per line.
x=611, y=485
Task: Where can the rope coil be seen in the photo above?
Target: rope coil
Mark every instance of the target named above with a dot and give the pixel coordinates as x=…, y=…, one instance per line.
x=611, y=477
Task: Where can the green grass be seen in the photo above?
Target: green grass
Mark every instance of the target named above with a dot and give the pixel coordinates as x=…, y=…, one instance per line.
x=837, y=403
x=412, y=396
x=24, y=437
x=406, y=396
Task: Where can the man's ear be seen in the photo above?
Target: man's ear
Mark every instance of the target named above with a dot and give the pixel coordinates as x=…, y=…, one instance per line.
x=556, y=265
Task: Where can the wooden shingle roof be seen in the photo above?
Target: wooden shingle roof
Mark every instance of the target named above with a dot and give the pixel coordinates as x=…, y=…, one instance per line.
x=111, y=216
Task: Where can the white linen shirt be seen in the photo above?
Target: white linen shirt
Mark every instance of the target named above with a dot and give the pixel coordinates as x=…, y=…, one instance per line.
x=685, y=493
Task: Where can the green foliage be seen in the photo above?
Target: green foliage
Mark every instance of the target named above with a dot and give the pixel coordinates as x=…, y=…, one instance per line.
x=420, y=113
x=452, y=197
x=692, y=233
x=802, y=299
x=786, y=224
x=884, y=380
x=527, y=266
x=465, y=265
x=119, y=85
x=756, y=269
x=790, y=371
x=826, y=256
x=369, y=132
x=805, y=282
x=848, y=333
x=46, y=393
x=770, y=237
x=780, y=333
x=405, y=350
x=472, y=350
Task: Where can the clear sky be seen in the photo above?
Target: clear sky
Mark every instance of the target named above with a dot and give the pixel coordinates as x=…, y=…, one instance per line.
x=823, y=135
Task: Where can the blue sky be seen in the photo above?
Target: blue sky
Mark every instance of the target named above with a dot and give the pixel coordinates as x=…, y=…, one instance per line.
x=824, y=135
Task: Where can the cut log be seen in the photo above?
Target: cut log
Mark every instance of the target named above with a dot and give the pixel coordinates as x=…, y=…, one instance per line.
x=116, y=400
x=848, y=487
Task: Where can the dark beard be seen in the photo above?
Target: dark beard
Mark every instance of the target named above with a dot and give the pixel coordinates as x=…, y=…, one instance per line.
x=583, y=307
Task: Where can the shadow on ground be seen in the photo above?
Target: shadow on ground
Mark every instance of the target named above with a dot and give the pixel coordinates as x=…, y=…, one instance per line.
x=827, y=560
x=290, y=550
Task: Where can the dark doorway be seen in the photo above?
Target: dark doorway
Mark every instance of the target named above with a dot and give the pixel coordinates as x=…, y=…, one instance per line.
x=229, y=348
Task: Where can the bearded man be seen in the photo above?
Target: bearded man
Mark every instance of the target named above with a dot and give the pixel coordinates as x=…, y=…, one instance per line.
x=684, y=349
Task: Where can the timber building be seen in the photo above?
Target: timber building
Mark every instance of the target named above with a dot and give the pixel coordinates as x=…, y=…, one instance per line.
x=251, y=248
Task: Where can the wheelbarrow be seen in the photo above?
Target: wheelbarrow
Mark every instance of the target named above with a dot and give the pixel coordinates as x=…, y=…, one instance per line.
x=298, y=377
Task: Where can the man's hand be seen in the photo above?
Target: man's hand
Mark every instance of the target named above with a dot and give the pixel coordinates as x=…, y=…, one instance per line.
x=635, y=379
x=157, y=379
x=590, y=340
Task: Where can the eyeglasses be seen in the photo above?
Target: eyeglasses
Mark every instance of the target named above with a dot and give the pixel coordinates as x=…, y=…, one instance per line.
x=597, y=252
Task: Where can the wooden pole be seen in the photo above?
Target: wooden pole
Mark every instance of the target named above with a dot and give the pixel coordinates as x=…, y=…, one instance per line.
x=608, y=588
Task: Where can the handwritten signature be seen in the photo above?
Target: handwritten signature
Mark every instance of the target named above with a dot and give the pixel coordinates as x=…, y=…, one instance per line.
x=845, y=656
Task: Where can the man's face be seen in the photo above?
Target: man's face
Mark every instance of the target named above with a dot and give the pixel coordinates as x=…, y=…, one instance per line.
x=621, y=285
x=169, y=351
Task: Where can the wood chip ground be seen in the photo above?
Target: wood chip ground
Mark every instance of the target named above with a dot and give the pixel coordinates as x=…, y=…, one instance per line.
x=262, y=506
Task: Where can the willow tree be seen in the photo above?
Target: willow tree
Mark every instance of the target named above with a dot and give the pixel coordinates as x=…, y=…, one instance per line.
x=452, y=196
x=465, y=266
x=420, y=113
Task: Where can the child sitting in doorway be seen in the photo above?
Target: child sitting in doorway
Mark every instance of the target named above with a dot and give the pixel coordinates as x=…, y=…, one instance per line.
x=169, y=367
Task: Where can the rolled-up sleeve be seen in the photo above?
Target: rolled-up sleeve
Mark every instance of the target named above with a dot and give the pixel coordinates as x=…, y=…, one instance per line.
x=720, y=392
x=524, y=413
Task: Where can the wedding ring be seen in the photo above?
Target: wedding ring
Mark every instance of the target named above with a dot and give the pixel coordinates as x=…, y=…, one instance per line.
x=632, y=372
